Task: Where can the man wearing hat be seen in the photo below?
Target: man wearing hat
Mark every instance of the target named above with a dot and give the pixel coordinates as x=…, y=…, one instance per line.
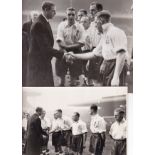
x=98, y=129
x=118, y=132
x=113, y=48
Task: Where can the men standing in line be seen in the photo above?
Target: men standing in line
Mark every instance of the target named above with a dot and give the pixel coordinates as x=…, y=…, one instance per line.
x=113, y=48
x=118, y=132
x=34, y=134
x=98, y=129
x=70, y=37
x=79, y=134
x=41, y=49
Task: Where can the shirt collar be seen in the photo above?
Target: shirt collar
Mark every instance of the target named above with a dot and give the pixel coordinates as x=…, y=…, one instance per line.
x=123, y=121
x=106, y=26
x=45, y=18
x=94, y=116
x=67, y=25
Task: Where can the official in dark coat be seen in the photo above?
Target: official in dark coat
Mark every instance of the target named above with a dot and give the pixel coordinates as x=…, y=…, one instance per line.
x=25, y=48
x=41, y=49
x=27, y=25
x=34, y=134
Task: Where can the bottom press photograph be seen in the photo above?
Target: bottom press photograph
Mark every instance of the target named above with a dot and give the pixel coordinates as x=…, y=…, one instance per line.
x=74, y=121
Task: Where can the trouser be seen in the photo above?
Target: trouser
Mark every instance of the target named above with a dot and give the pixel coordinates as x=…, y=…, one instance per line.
x=45, y=139
x=120, y=147
x=109, y=68
x=97, y=143
x=57, y=141
x=77, y=143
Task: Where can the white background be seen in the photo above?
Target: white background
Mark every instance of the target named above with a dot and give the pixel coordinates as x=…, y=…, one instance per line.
x=142, y=113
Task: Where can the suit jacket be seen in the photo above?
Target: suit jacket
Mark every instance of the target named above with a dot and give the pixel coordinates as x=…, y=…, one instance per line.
x=34, y=135
x=41, y=53
x=25, y=49
x=27, y=27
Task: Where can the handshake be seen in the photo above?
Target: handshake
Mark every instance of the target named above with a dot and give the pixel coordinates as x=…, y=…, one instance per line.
x=69, y=57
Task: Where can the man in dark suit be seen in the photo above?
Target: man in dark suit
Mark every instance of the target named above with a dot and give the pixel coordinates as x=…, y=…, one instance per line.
x=25, y=48
x=34, y=134
x=41, y=49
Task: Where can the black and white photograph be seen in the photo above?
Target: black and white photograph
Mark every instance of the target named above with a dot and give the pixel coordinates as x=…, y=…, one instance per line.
x=67, y=77
x=77, y=71
x=76, y=43
x=74, y=121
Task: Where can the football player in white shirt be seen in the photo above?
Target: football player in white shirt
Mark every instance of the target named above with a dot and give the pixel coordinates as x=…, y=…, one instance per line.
x=113, y=48
x=70, y=37
x=57, y=126
x=66, y=131
x=93, y=66
x=79, y=131
x=98, y=129
x=118, y=132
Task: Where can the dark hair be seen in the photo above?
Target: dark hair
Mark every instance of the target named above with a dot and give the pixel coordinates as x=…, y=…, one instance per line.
x=104, y=14
x=77, y=114
x=59, y=110
x=94, y=107
x=39, y=109
x=99, y=6
x=83, y=10
x=70, y=9
x=47, y=5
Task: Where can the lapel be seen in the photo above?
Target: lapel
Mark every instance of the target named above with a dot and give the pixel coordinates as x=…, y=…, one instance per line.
x=47, y=26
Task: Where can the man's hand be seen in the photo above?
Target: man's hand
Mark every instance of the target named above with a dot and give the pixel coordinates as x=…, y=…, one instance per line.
x=68, y=57
x=115, y=81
